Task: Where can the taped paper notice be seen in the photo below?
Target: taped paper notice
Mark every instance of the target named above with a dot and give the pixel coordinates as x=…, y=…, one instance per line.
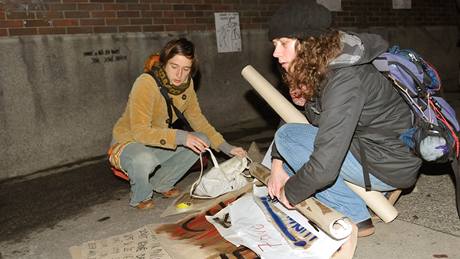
x=228, y=32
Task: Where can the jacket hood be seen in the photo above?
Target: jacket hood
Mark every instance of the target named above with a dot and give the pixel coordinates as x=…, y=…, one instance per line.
x=358, y=49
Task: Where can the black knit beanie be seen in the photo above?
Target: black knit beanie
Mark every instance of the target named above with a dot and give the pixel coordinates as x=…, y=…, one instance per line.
x=299, y=19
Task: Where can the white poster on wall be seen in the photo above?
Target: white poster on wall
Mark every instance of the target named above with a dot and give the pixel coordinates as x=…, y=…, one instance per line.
x=332, y=5
x=228, y=32
x=402, y=4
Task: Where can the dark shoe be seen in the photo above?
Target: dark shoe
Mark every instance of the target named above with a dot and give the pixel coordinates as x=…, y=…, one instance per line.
x=365, y=228
x=174, y=192
x=145, y=205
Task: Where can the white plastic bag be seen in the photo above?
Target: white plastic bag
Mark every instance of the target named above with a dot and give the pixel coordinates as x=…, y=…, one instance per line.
x=220, y=179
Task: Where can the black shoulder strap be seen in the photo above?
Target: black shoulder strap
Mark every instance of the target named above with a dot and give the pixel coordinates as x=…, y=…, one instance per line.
x=365, y=165
x=170, y=104
x=362, y=152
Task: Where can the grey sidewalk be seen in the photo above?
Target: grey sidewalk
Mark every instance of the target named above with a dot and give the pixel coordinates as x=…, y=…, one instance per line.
x=43, y=217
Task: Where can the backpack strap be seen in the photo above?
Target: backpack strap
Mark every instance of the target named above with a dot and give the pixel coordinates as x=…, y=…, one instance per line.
x=360, y=130
x=170, y=105
x=365, y=165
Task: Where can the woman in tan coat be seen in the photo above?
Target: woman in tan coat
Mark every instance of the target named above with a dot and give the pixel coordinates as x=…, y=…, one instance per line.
x=145, y=142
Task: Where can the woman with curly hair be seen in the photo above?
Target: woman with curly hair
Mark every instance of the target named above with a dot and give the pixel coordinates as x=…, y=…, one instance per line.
x=356, y=116
x=152, y=153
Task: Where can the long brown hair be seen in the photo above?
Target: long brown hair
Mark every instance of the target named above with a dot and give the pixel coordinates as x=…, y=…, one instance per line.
x=310, y=65
x=179, y=46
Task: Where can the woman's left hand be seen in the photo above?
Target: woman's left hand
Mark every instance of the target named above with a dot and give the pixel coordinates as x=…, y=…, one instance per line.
x=238, y=151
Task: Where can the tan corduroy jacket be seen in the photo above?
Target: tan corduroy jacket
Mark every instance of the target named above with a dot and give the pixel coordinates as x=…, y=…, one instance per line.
x=145, y=117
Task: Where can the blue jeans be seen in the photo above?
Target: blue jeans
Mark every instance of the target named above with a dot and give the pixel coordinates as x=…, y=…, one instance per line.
x=294, y=143
x=140, y=161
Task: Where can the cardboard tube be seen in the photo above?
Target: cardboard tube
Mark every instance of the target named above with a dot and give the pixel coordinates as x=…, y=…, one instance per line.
x=276, y=100
x=374, y=200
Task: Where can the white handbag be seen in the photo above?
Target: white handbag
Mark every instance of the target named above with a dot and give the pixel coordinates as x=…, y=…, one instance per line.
x=220, y=179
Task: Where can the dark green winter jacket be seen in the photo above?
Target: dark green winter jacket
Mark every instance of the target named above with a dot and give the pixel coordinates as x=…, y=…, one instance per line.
x=356, y=102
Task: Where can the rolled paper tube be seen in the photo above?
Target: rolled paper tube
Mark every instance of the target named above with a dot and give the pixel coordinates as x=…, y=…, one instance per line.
x=375, y=200
x=330, y=221
x=276, y=100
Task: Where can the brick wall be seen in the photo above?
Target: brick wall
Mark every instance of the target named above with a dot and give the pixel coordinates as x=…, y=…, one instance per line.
x=365, y=13
x=34, y=17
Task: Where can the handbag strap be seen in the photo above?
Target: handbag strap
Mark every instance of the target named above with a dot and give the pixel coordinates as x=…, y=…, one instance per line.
x=216, y=164
x=195, y=184
x=213, y=158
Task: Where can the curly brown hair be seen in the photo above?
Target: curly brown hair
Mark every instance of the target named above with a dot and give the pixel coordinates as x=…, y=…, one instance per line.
x=310, y=65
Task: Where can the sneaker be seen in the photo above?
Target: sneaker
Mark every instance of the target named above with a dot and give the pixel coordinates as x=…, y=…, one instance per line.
x=145, y=205
x=365, y=228
x=174, y=192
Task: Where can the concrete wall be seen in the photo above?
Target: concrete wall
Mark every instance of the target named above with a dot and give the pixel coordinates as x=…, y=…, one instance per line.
x=61, y=95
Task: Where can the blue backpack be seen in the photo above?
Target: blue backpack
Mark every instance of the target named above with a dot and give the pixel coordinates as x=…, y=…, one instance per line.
x=435, y=131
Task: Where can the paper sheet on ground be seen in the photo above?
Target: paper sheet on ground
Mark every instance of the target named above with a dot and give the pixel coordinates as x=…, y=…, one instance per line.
x=193, y=237
x=247, y=225
x=141, y=243
x=198, y=205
